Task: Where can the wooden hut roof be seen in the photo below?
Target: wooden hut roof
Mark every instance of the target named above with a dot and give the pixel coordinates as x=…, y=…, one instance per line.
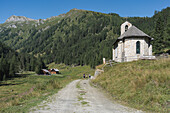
x=45, y=70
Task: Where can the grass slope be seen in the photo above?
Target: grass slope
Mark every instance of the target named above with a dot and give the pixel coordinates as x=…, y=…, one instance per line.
x=22, y=93
x=142, y=84
x=69, y=70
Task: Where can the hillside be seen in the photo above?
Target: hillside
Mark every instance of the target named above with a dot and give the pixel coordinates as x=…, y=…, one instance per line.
x=80, y=37
x=141, y=84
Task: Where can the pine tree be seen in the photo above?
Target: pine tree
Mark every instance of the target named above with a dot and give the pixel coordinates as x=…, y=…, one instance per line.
x=159, y=31
x=32, y=63
x=38, y=69
x=12, y=69
x=40, y=65
x=1, y=69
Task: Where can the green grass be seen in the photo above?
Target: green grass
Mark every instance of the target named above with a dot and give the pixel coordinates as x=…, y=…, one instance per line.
x=84, y=102
x=81, y=94
x=20, y=94
x=140, y=84
x=78, y=85
x=68, y=70
x=24, y=92
x=80, y=98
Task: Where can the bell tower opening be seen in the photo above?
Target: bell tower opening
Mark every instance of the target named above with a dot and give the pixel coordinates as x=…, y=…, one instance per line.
x=125, y=26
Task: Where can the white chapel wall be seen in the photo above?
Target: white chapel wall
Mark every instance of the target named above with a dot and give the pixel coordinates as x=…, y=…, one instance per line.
x=130, y=48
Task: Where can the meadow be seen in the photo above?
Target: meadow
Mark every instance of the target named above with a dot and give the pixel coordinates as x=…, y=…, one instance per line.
x=140, y=84
x=28, y=89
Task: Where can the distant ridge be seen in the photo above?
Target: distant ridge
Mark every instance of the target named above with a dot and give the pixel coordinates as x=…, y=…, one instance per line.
x=15, y=18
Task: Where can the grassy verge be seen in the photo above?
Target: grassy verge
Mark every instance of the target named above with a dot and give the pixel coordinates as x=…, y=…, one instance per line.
x=22, y=93
x=141, y=84
x=68, y=70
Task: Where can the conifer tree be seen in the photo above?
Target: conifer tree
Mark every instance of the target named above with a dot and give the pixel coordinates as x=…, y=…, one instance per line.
x=1, y=69
x=13, y=67
x=40, y=65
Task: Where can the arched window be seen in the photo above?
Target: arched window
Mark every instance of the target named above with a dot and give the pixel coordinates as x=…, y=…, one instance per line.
x=126, y=28
x=138, y=47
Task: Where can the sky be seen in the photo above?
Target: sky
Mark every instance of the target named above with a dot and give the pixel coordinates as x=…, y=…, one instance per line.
x=42, y=9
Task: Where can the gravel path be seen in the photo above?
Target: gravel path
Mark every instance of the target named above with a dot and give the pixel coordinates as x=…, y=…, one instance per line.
x=80, y=97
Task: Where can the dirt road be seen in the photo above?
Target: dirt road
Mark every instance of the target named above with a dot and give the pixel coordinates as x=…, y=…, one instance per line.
x=80, y=97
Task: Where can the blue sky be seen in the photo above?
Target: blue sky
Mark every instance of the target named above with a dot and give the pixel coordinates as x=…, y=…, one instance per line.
x=43, y=9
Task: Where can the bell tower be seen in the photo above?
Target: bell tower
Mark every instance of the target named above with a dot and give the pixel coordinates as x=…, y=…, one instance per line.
x=125, y=26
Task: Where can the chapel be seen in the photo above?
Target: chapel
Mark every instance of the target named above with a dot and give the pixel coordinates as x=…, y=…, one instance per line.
x=133, y=44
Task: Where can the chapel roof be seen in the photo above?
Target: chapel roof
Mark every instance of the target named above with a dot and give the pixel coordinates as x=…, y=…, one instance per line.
x=133, y=31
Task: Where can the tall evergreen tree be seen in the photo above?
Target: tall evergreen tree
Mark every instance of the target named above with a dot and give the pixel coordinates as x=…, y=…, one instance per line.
x=40, y=65
x=13, y=67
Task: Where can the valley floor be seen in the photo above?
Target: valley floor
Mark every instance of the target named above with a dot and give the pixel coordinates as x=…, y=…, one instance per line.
x=80, y=97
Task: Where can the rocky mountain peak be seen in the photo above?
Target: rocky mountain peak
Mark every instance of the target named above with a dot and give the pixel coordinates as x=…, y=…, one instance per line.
x=14, y=18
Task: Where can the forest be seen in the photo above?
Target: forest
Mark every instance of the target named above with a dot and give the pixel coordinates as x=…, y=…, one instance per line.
x=12, y=63
x=79, y=38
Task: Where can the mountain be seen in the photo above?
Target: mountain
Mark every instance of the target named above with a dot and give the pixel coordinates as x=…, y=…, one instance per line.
x=80, y=37
x=14, y=18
